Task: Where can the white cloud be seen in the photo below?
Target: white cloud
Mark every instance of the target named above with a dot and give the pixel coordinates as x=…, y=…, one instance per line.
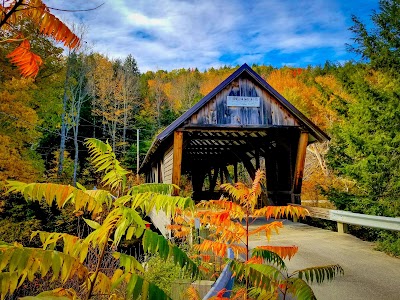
x=172, y=34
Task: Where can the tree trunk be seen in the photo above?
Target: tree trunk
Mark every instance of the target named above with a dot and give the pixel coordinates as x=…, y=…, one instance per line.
x=64, y=129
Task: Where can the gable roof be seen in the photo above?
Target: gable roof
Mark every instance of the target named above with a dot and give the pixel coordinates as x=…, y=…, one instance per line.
x=313, y=129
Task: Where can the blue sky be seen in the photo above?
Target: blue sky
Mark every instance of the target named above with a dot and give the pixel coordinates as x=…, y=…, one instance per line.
x=173, y=34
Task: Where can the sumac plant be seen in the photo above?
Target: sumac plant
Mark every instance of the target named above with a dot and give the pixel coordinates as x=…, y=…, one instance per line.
x=261, y=270
x=113, y=213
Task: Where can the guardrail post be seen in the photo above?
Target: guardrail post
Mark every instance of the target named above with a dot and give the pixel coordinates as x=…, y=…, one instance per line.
x=342, y=227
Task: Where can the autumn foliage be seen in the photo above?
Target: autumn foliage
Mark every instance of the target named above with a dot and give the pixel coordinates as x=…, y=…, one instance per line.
x=12, y=12
x=231, y=223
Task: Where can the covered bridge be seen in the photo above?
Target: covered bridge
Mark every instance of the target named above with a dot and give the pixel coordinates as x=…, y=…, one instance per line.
x=241, y=121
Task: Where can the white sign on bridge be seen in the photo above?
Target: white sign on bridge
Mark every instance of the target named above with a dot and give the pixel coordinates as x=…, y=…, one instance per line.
x=243, y=101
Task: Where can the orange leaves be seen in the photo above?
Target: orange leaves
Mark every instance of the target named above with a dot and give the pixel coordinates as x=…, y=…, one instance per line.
x=49, y=24
x=282, y=251
x=267, y=228
x=235, y=210
x=219, y=248
x=179, y=230
x=217, y=218
x=281, y=212
x=27, y=62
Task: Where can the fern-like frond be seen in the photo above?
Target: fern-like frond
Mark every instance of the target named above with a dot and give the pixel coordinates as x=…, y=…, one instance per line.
x=155, y=243
x=104, y=160
x=27, y=62
x=159, y=188
x=256, y=187
x=278, y=212
x=129, y=263
x=264, y=276
x=147, y=197
x=238, y=191
x=219, y=248
x=282, y=251
x=49, y=24
x=319, y=274
x=267, y=228
x=24, y=263
x=72, y=245
x=179, y=231
x=218, y=218
x=269, y=257
x=121, y=221
x=60, y=194
x=235, y=210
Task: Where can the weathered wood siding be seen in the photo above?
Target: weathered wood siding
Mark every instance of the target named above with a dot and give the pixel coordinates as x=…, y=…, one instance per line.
x=168, y=161
x=217, y=112
x=160, y=220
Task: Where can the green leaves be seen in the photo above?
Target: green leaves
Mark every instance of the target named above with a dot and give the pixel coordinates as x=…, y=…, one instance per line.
x=18, y=263
x=105, y=161
x=319, y=274
x=269, y=257
x=155, y=243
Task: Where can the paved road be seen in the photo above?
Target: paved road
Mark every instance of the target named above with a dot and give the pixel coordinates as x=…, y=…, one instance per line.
x=368, y=274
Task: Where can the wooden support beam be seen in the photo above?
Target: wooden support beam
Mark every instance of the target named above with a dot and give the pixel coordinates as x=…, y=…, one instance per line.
x=213, y=179
x=299, y=167
x=177, y=159
x=250, y=168
x=257, y=155
x=227, y=175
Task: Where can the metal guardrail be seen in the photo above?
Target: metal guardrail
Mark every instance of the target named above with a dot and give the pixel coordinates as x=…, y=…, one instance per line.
x=343, y=218
x=380, y=222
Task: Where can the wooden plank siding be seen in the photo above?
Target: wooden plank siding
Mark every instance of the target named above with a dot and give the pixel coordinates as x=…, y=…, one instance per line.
x=270, y=112
x=168, y=162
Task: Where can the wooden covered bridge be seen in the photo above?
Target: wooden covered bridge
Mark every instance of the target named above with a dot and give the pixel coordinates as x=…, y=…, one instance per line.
x=241, y=121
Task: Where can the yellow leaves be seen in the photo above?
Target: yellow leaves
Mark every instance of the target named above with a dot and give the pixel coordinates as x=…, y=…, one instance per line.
x=246, y=197
x=235, y=210
x=23, y=263
x=61, y=193
x=278, y=212
x=27, y=62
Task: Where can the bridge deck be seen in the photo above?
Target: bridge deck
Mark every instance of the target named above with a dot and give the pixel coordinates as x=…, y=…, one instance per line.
x=369, y=274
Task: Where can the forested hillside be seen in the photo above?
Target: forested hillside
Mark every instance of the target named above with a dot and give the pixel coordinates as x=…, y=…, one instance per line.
x=81, y=94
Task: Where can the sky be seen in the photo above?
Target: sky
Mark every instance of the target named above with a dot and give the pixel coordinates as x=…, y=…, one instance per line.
x=174, y=34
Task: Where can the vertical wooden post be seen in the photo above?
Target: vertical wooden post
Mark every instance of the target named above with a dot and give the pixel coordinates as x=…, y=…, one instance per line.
x=235, y=172
x=299, y=168
x=257, y=153
x=177, y=159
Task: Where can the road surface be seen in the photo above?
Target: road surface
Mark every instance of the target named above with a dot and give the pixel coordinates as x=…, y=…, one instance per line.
x=368, y=274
